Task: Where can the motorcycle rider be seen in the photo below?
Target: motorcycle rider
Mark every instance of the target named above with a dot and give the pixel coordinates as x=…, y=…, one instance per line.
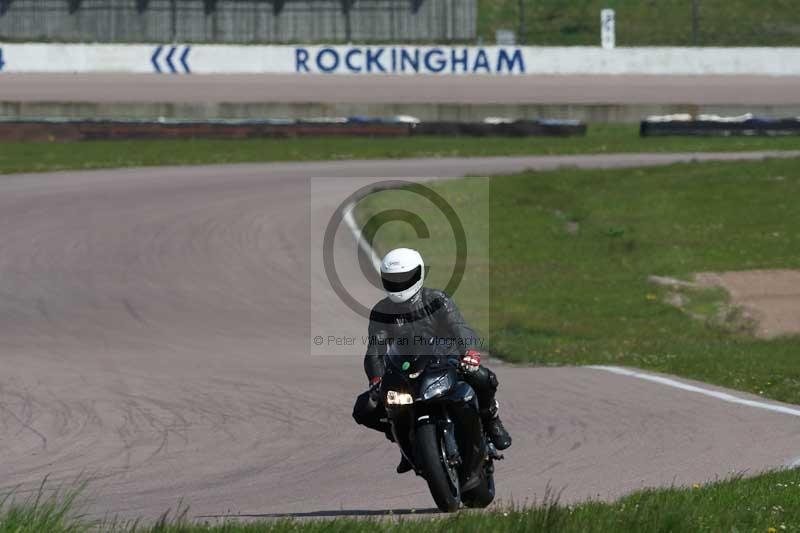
x=420, y=316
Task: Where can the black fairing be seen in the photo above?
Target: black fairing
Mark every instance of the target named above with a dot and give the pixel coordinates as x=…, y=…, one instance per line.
x=442, y=398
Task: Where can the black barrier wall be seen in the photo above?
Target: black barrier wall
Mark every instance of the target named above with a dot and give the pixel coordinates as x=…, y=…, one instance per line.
x=721, y=127
x=86, y=130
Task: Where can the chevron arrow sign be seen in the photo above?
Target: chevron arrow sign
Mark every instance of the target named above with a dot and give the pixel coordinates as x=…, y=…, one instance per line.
x=171, y=59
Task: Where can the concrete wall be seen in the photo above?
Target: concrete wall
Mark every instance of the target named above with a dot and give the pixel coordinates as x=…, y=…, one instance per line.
x=397, y=59
x=240, y=21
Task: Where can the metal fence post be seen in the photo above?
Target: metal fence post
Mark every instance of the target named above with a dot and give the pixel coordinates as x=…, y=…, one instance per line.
x=452, y=21
x=173, y=7
x=348, y=26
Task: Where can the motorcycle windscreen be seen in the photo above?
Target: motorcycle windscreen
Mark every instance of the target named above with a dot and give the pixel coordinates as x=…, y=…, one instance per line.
x=405, y=358
x=412, y=355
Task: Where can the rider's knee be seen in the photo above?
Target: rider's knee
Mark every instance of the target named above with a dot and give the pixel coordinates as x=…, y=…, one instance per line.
x=492, y=379
x=484, y=379
x=361, y=410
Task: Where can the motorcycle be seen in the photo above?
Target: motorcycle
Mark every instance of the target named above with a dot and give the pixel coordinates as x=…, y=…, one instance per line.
x=434, y=419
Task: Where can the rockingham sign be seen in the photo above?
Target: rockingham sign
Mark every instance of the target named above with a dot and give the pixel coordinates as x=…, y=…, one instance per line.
x=179, y=59
x=409, y=60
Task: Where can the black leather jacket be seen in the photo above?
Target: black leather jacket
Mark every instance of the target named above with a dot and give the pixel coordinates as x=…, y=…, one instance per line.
x=428, y=323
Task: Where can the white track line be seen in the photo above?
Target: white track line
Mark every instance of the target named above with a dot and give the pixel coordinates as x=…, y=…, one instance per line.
x=350, y=220
x=724, y=396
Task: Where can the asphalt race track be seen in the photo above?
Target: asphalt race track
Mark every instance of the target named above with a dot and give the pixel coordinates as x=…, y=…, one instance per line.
x=154, y=335
x=366, y=89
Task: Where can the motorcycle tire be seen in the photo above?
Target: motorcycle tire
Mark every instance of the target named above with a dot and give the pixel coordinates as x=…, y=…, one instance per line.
x=429, y=453
x=482, y=495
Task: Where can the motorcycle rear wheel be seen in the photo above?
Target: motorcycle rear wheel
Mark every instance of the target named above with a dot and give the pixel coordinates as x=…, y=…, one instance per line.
x=439, y=475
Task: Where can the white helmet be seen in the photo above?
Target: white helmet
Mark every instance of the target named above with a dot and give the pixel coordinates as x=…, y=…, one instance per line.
x=402, y=273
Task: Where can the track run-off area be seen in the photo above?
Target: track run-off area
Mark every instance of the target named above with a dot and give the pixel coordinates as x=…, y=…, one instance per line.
x=155, y=337
x=102, y=88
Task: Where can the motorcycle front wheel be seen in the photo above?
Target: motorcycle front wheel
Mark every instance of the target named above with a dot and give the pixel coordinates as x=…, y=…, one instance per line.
x=441, y=477
x=482, y=495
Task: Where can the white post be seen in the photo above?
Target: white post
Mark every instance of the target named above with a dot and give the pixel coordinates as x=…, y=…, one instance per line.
x=607, y=29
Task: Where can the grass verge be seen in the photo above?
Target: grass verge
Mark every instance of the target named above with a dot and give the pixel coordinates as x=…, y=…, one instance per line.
x=638, y=23
x=769, y=503
x=570, y=251
x=46, y=510
x=601, y=138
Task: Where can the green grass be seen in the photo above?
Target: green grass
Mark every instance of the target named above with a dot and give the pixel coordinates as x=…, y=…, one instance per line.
x=43, y=156
x=48, y=509
x=647, y=22
x=762, y=503
x=560, y=297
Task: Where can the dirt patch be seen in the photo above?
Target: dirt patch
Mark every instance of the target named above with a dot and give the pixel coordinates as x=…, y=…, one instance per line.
x=771, y=297
x=707, y=303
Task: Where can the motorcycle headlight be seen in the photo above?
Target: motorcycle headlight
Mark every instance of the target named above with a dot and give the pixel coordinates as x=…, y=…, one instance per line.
x=437, y=388
x=398, y=398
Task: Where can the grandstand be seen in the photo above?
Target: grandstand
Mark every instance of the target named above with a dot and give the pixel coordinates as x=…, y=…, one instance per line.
x=239, y=21
x=534, y=22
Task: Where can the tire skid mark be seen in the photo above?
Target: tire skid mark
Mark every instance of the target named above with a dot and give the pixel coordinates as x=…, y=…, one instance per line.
x=25, y=418
x=133, y=312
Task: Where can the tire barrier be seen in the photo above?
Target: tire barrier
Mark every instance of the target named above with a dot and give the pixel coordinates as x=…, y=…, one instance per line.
x=86, y=130
x=717, y=126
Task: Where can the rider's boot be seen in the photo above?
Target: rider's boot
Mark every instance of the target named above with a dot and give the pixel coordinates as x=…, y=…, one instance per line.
x=404, y=465
x=494, y=427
